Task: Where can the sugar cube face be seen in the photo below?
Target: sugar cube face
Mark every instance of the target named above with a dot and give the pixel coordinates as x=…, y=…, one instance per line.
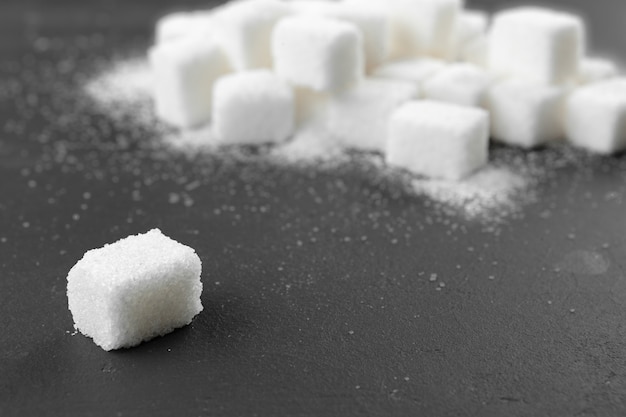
x=416, y=70
x=244, y=29
x=184, y=72
x=470, y=25
x=438, y=140
x=593, y=70
x=310, y=106
x=318, y=53
x=135, y=289
x=358, y=118
x=538, y=45
x=525, y=114
x=374, y=25
x=184, y=24
x=476, y=52
x=252, y=107
x=596, y=116
x=462, y=84
x=424, y=27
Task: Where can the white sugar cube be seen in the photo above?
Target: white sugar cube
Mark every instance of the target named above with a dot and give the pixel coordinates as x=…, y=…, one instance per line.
x=597, y=69
x=252, y=107
x=416, y=70
x=374, y=26
x=244, y=31
x=319, y=53
x=310, y=105
x=183, y=24
x=184, y=73
x=525, y=114
x=596, y=116
x=470, y=25
x=438, y=140
x=358, y=118
x=135, y=289
x=476, y=52
x=538, y=45
x=462, y=84
x=425, y=27
x=418, y=27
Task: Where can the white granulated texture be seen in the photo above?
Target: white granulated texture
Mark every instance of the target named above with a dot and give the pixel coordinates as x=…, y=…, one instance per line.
x=490, y=194
x=124, y=90
x=310, y=144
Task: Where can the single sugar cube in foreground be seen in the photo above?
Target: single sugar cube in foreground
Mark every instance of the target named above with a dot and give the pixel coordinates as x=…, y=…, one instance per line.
x=596, y=116
x=525, y=114
x=252, y=107
x=358, y=117
x=135, y=289
x=462, y=84
x=438, y=140
x=319, y=53
x=184, y=72
x=539, y=45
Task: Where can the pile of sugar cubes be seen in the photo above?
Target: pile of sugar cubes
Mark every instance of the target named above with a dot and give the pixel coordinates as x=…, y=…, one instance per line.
x=425, y=82
x=135, y=289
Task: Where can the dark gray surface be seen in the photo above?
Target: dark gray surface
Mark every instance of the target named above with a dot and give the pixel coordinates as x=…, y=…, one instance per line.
x=303, y=316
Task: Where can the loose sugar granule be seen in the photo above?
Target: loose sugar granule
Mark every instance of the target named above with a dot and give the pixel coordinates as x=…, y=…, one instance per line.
x=489, y=194
x=123, y=89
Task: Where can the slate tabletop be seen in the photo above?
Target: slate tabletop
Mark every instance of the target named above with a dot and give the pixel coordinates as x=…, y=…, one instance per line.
x=317, y=292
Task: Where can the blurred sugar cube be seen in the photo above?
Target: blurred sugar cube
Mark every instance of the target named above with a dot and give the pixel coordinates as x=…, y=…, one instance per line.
x=438, y=140
x=319, y=53
x=252, y=107
x=525, y=114
x=462, y=84
x=358, y=118
x=416, y=70
x=244, y=30
x=596, y=116
x=538, y=45
x=184, y=72
x=373, y=24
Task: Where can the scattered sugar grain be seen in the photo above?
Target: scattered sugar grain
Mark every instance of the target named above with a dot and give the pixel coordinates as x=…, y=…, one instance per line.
x=488, y=194
x=124, y=88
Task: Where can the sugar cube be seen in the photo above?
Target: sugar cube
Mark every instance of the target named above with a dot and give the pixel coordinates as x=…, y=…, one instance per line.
x=358, y=117
x=462, y=84
x=525, y=114
x=597, y=69
x=135, y=289
x=374, y=26
x=310, y=105
x=538, y=45
x=438, y=140
x=184, y=72
x=470, y=25
x=476, y=52
x=252, y=107
x=596, y=116
x=418, y=27
x=320, y=53
x=244, y=29
x=416, y=70
x=182, y=24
